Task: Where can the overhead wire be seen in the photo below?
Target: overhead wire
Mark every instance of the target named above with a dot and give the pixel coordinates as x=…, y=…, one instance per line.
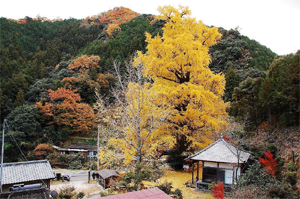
x=20, y=148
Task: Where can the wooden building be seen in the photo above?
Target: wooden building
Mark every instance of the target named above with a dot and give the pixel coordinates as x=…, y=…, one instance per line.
x=220, y=161
x=87, y=150
x=29, y=179
x=106, y=176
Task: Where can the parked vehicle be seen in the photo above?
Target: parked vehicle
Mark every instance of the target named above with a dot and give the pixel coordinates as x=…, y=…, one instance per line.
x=65, y=177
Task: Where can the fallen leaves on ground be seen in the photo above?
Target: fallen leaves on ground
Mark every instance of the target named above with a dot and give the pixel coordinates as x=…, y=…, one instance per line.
x=178, y=180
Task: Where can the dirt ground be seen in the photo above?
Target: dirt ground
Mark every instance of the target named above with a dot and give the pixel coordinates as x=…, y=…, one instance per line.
x=92, y=189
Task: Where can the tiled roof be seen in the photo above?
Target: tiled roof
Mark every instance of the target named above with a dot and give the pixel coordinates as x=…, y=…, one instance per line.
x=106, y=173
x=221, y=151
x=18, y=172
x=152, y=193
x=86, y=147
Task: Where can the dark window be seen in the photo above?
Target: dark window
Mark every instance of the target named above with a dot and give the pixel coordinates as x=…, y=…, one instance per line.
x=213, y=174
x=209, y=174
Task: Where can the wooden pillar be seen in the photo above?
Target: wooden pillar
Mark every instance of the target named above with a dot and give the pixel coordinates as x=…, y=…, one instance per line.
x=192, y=172
x=197, y=170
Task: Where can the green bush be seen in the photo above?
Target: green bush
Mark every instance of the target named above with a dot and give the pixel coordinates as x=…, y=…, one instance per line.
x=165, y=187
x=176, y=160
x=178, y=192
x=76, y=164
x=280, y=190
x=291, y=166
x=291, y=178
x=255, y=175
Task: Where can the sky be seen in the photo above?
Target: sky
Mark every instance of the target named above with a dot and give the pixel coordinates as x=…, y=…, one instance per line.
x=273, y=23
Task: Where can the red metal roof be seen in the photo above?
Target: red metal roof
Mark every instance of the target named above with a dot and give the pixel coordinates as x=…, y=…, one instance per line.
x=152, y=193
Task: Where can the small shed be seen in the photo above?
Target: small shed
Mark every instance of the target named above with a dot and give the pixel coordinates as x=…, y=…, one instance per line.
x=106, y=176
x=220, y=161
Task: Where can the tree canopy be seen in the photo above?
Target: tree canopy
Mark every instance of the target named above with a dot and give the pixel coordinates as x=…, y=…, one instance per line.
x=177, y=63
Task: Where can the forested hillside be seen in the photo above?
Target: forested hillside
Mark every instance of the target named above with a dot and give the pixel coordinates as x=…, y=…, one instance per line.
x=50, y=71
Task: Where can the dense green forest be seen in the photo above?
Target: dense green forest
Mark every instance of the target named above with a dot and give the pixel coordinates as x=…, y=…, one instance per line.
x=262, y=88
x=258, y=81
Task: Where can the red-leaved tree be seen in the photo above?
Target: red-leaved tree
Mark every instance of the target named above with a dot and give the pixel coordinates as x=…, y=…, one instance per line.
x=270, y=164
x=218, y=190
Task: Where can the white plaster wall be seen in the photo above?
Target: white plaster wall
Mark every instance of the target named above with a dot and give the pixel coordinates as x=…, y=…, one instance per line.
x=225, y=166
x=210, y=164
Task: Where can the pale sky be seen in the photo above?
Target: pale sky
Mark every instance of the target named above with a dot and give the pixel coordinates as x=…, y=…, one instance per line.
x=273, y=23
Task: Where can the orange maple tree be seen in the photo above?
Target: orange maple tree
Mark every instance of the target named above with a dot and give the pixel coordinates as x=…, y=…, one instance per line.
x=65, y=110
x=270, y=164
x=113, y=18
x=84, y=63
x=42, y=150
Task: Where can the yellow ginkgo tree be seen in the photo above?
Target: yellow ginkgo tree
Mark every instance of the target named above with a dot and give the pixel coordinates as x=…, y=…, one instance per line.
x=177, y=62
x=135, y=116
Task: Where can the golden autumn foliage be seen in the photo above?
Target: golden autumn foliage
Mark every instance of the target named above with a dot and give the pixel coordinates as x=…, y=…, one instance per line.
x=140, y=138
x=134, y=116
x=65, y=110
x=177, y=62
x=112, y=27
x=109, y=158
x=84, y=63
x=113, y=18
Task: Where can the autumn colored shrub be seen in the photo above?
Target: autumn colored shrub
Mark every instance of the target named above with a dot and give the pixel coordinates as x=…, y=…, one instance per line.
x=66, y=110
x=84, y=63
x=66, y=192
x=217, y=189
x=42, y=150
x=270, y=164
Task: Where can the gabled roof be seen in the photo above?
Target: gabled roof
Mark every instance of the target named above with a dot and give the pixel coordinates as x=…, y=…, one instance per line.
x=221, y=151
x=72, y=150
x=106, y=173
x=152, y=193
x=19, y=172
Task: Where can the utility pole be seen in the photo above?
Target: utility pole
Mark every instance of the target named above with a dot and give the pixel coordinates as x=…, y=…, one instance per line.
x=2, y=154
x=98, y=149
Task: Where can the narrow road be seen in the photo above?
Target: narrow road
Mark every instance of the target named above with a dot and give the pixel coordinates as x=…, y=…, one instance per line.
x=80, y=181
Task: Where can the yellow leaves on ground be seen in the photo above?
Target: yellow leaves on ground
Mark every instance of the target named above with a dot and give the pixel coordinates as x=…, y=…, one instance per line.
x=178, y=180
